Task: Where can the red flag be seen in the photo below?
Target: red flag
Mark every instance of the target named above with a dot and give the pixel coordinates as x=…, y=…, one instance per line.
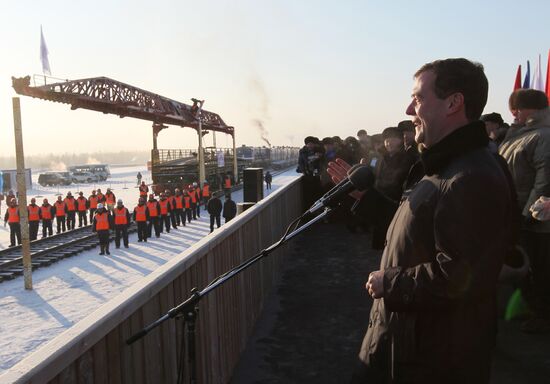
x=517, y=84
x=548, y=77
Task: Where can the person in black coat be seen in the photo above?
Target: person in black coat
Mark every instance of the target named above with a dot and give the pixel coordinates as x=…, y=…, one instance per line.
x=268, y=179
x=214, y=207
x=229, y=209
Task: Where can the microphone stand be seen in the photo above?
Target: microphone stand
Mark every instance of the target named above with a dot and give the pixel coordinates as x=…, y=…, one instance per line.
x=188, y=310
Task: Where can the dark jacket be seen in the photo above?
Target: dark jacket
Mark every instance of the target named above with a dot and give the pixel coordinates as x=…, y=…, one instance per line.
x=229, y=209
x=214, y=206
x=391, y=173
x=436, y=322
x=268, y=178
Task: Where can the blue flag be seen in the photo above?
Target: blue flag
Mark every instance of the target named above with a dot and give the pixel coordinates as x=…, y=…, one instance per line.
x=527, y=81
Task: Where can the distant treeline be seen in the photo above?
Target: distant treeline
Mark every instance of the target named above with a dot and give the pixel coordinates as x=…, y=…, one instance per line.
x=59, y=162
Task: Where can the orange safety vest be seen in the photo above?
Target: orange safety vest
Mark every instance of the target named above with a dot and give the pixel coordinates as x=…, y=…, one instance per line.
x=46, y=212
x=163, y=207
x=205, y=191
x=33, y=212
x=121, y=216
x=140, y=213
x=71, y=206
x=193, y=197
x=179, y=201
x=110, y=198
x=100, y=197
x=152, y=205
x=227, y=182
x=101, y=221
x=143, y=190
x=59, y=208
x=13, y=213
x=81, y=202
x=187, y=201
x=93, y=201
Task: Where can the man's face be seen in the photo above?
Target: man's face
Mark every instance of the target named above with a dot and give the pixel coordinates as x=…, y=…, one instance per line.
x=408, y=138
x=522, y=115
x=428, y=111
x=393, y=144
x=491, y=128
x=310, y=146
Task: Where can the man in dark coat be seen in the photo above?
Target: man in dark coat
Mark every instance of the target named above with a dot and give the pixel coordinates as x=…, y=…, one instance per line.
x=229, y=208
x=214, y=207
x=434, y=315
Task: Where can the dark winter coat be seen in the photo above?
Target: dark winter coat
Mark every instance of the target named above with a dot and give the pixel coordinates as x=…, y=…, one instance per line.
x=214, y=206
x=391, y=173
x=229, y=209
x=436, y=321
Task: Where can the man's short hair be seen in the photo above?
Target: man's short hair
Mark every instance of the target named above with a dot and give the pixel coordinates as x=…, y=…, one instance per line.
x=311, y=139
x=492, y=118
x=528, y=99
x=361, y=132
x=406, y=126
x=327, y=141
x=460, y=76
x=392, y=132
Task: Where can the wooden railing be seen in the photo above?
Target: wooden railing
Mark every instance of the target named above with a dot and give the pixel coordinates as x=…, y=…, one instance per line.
x=94, y=349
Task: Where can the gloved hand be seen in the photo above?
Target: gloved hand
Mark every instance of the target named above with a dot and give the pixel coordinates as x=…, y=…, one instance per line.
x=540, y=209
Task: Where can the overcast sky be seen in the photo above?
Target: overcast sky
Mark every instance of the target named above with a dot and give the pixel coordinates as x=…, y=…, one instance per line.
x=302, y=67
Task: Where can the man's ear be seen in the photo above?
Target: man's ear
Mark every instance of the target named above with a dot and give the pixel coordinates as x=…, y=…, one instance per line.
x=455, y=103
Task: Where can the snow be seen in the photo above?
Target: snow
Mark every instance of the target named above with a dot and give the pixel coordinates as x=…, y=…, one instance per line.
x=65, y=292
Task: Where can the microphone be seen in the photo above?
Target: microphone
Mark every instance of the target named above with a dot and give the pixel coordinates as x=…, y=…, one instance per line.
x=360, y=177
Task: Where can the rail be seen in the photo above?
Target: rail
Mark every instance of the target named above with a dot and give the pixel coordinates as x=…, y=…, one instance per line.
x=93, y=350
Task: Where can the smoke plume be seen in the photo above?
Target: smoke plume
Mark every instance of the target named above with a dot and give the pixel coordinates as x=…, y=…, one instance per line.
x=57, y=166
x=263, y=132
x=92, y=160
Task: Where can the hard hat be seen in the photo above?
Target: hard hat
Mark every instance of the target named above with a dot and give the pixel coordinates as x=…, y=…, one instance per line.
x=205, y=181
x=194, y=184
x=99, y=206
x=119, y=201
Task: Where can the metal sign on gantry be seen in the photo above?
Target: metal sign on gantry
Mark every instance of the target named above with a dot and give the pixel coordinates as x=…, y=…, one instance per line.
x=110, y=96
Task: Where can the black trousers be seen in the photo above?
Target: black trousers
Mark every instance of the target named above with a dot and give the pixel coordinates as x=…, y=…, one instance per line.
x=194, y=210
x=60, y=220
x=47, y=228
x=33, y=230
x=142, y=230
x=179, y=215
x=92, y=212
x=164, y=222
x=212, y=218
x=267, y=185
x=198, y=208
x=189, y=213
x=121, y=231
x=153, y=223
x=15, y=232
x=536, y=287
x=82, y=218
x=103, y=237
x=71, y=216
x=173, y=219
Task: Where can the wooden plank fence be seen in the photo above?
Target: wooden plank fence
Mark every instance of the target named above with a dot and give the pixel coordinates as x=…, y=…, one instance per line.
x=94, y=350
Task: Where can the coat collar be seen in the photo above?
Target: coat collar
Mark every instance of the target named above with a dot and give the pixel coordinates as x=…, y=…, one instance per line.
x=462, y=140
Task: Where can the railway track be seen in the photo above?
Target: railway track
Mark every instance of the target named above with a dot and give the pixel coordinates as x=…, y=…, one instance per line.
x=48, y=250
x=51, y=249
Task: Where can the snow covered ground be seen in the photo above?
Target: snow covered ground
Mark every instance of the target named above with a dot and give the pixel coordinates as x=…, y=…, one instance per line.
x=65, y=292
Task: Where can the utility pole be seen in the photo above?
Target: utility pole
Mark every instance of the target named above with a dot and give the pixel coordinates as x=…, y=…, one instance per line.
x=202, y=171
x=235, y=169
x=22, y=190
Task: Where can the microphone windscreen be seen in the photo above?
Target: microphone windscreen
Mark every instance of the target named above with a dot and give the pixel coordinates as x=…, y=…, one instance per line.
x=362, y=178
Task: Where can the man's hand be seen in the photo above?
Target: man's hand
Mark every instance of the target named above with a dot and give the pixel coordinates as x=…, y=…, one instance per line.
x=540, y=209
x=338, y=171
x=375, y=284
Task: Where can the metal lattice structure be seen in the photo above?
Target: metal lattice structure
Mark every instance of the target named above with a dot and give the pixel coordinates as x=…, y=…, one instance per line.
x=110, y=96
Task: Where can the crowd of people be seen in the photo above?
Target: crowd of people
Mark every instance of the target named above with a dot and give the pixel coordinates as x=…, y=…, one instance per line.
x=455, y=195
x=106, y=213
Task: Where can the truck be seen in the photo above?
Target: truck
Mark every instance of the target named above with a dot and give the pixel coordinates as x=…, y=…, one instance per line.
x=100, y=170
